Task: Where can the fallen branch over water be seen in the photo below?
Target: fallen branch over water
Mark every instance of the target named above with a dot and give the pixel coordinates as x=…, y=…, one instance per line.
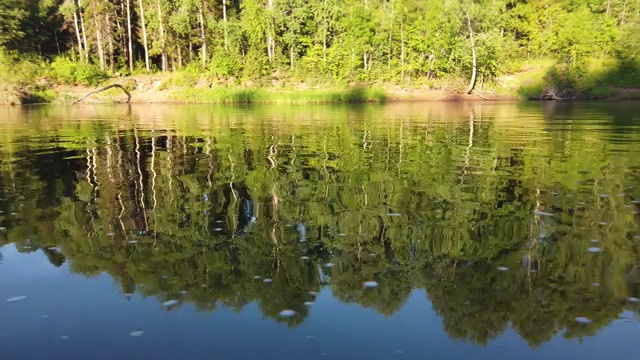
x=103, y=89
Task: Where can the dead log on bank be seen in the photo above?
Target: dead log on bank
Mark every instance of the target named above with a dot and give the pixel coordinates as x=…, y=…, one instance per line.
x=104, y=89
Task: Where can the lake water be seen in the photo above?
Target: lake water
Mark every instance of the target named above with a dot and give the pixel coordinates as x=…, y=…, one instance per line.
x=405, y=231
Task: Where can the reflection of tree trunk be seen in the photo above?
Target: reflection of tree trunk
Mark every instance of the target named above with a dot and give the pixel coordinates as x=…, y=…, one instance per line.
x=109, y=154
x=139, y=167
x=275, y=253
x=386, y=242
x=120, y=169
x=153, y=172
x=89, y=167
x=273, y=151
x=94, y=153
x=209, y=161
x=474, y=72
x=468, y=149
x=170, y=166
x=382, y=230
x=274, y=202
x=400, y=146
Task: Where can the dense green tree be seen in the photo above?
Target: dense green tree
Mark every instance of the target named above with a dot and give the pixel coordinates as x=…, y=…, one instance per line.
x=418, y=41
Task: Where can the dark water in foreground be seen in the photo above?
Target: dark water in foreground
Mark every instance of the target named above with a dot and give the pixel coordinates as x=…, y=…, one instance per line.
x=492, y=231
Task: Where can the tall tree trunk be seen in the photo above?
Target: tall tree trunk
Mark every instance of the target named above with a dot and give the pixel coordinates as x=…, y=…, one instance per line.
x=162, y=39
x=390, y=37
x=224, y=18
x=55, y=36
x=203, y=36
x=129, y=36
x=77, y=29
x=291, y=57
x=326, y=30
x=144, y=38
x=110, y=44
x=271, y=43
x=84, y=33
x=474, y=72
x=401, y=49
x=624, y=12
x=96, y=20
x=122, y=39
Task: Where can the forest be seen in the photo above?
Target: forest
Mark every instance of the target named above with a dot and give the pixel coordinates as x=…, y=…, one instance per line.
x=196, y=212
x=581, y=45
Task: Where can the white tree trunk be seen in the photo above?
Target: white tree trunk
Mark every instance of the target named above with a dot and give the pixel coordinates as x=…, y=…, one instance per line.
x=291, y=57
x=84, y=33
x=271, y=43
x=162, y=39
x=203, y=36
x=99, y=42
x=474, y=72
x=129, y=36
x=324, y=37
x=110, y=44
x=78, y=36
x=401, y=50
x=224, y=18
x=390, y=38
x=144, y=38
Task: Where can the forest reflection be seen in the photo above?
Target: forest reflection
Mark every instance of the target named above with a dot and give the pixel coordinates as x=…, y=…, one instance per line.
x=490, y=210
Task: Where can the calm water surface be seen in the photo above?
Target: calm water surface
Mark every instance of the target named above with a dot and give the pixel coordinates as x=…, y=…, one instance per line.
x=406, y=231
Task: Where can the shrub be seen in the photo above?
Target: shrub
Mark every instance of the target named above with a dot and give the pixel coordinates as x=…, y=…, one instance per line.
x=19, y=70
x=88, y=74
x=66, y=71
x=225, y=64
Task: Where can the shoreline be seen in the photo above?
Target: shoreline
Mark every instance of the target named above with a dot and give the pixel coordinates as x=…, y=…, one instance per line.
x=154, y=90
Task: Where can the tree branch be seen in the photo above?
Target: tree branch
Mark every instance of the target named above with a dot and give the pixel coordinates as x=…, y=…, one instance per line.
x=103, y=89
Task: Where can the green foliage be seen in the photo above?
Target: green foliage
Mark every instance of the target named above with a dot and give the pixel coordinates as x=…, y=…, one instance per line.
x=226, y=64
x=67, y=71
x=19, y=70
x=187, y=77
x=12, y=14
x=407, y=42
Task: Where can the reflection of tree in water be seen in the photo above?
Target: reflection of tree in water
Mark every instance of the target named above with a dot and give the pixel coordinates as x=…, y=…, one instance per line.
x=198, y=218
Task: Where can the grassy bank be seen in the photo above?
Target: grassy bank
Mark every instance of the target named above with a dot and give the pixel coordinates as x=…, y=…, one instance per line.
x=238, y=95
x=597, y=79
